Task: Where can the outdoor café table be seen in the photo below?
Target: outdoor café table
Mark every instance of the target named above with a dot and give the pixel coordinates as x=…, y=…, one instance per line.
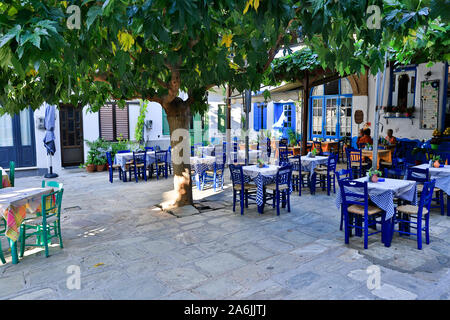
x=309, y=164
x=15, y=204
x=327, y=146
x=261, y=177
x=253, y=155
x=295, y=150
x=122, y=158
x=5, y=179
x=442, y=176
x=383, y=155
x=382, y=194
x=200, y=165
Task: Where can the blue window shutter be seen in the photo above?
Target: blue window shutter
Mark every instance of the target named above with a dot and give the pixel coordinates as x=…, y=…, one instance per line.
x=277, y=111
x=265, y=117
x=293, y=113
x=256, y=117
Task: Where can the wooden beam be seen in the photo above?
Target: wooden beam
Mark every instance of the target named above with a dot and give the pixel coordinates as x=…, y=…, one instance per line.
x=305, y=111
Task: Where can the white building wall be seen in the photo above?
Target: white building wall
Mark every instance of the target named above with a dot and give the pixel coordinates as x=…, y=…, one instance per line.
x=91, y=128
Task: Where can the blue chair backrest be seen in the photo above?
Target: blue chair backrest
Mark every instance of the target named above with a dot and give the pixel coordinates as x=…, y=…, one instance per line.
x=236, y=174
x=283, y=156
x=297, y=163
x=219, y=166
x=269, y=149
x=332, y=161
x=109, y=159
x=417, y=174
x=192, y=151
x=161, y=156
x=149, y=149
x=344, y=174
x=140, y=157
x=123, y=151
x=426, y=195
x=354, y=192
x=284, y=175
x=235, y=146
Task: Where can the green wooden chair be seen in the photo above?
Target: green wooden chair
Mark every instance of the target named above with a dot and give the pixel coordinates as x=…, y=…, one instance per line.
x=43, y=225
x=54, y=184
x=1, y=179
x=2, y=234
x=12, y=167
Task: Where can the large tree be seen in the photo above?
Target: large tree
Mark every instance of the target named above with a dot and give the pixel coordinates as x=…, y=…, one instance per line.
x=150, y=49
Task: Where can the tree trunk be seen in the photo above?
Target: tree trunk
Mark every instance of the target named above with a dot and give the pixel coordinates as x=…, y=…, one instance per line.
x=179, y=116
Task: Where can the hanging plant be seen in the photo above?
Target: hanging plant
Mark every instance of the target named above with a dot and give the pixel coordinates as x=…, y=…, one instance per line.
x=139, y=131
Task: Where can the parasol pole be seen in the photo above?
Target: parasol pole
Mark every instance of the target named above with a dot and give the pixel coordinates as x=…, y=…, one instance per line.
x=377, y=114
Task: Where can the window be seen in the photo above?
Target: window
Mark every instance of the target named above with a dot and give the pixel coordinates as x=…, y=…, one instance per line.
x=287, y=109
x=317, y=116
x=6, y=131
x=346, y=117
x=332, y=87
x=260, y=116
x=221, y=118
x=113, y=122
x=165, y=123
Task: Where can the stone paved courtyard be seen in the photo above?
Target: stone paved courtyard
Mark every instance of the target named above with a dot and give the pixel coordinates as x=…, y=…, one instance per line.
x=127, y=248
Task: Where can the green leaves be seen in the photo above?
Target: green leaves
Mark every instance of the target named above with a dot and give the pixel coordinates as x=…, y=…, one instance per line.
x=14, y=32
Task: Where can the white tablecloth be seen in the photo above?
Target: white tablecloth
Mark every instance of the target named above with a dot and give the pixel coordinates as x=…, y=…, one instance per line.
x=309, y=164
x=261, y=177
x=383, y=193
x=442, y=176
x=200, y=165
x=206, y=150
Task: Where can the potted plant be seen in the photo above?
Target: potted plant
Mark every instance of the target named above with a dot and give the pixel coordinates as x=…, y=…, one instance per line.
x=396, y=111
x=90, y=165
x=435, y=160
x=446, y=132
x=313, y=153
x=100, y=163
x=260, y=163
x=434, y=143
x=373, y=175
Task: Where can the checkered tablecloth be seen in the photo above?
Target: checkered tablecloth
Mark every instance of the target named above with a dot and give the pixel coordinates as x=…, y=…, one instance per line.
x=309, y=164
x=261, y=177
x=206, y=150
x=201, y=165
x=16, y=203
x=383, y=193
x=122, y=158
x=442, y=176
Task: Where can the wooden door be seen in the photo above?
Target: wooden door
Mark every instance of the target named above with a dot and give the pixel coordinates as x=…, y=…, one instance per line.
x=71, y=129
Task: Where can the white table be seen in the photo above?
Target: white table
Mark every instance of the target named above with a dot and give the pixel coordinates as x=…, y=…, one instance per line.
x=442, y=176
x=309, y=164
x=383, y=193
x=261, y=177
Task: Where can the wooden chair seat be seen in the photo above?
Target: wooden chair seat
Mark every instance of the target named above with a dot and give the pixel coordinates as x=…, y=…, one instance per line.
x=38, y=221
x=385, y=163
x=116, y=166
x=359, y=209
x=410, y=209
x=356, y=164
x=420, y=188
x=321, y=171
x=139, y=165
x=273, y=186
x=161, y=164
x=247, y=186
x=304, y=173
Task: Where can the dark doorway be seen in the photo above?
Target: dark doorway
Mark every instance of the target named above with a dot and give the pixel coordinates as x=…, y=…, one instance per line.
x=403, y=82
x=71, y=129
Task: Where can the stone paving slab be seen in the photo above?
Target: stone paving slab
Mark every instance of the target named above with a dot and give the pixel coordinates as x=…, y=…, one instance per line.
x=127, y=248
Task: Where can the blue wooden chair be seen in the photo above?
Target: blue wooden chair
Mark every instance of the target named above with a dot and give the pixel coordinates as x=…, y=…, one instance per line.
x=355, y=163
x=127, y=165
x=357, y=210
x=139, y=165
x=192, y=151
x=235, y=150
x=149, y=149
x=269, y=148
x=214, y=176
x=395, y=170
x=112, y=166
x=298, y=176
x=327, y=175
x=421, y=176
x=169, y=155
x=283, y=156
x=239, y=185
x=281, y=188
x=1, y=179
x=161, y=164
x=406, y=214
x=343, y=174
x=224, y=150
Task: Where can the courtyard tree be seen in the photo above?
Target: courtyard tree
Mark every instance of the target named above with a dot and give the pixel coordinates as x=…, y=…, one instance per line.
x=150, y=50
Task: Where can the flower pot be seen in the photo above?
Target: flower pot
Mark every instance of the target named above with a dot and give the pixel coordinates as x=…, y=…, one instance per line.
x=407, y=115
x=374, y=178
x=388, y=114
x=436, y=164
x=100, y=167
x=90, y=167
x=398, y=114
